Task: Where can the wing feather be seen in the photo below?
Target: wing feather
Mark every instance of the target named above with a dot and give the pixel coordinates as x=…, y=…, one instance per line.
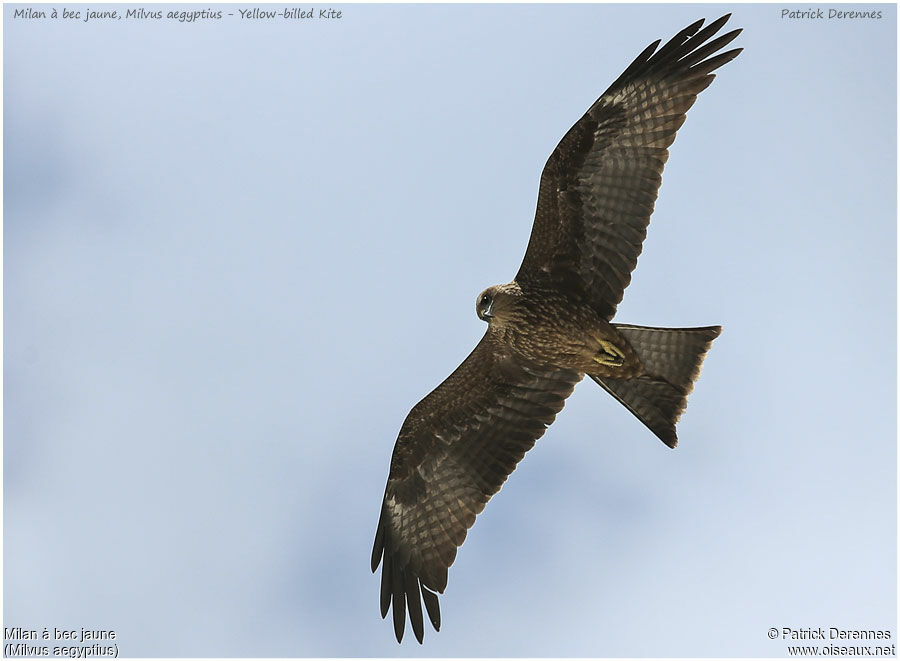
x=599, y=186
x=455, y=450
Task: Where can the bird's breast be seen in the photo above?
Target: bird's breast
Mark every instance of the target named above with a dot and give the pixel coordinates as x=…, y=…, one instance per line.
x=558, y=333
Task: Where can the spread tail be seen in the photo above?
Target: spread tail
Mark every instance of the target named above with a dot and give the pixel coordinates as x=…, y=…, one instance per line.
x=671, y=358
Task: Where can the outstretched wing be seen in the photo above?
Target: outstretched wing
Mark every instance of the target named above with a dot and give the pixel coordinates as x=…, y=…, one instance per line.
x=600, y=184
x=455, y=450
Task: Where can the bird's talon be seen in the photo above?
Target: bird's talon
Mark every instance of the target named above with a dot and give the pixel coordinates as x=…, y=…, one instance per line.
x=612, y=356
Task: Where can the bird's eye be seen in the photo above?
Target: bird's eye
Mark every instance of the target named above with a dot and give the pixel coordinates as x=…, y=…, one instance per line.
x=485, y=300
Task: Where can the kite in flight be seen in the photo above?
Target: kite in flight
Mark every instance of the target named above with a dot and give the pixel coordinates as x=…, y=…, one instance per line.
x=550, y=327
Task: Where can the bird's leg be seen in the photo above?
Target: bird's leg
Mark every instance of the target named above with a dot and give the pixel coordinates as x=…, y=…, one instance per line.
x=612, y=356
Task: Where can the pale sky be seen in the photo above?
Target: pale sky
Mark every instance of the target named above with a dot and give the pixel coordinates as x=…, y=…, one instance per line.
x=238, y=251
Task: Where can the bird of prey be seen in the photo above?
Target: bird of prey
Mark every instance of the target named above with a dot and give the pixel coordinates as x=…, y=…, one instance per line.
x=550, y=326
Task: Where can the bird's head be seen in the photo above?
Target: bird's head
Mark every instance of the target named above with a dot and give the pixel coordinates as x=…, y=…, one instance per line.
x=495, y=303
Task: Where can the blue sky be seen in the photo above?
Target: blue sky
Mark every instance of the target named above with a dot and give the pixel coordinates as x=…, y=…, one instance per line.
x=237, y=252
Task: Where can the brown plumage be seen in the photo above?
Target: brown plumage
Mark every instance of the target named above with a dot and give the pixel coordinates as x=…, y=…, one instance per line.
x=551, y=326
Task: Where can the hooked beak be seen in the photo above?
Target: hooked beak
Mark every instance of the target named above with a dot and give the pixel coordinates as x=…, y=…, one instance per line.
x=489, y=313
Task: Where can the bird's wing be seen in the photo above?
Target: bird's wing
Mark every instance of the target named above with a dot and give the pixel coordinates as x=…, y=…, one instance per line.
x=455, y=449
x=599, y=186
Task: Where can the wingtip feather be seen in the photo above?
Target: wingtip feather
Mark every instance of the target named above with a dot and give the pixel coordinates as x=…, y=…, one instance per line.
x=386, y=583
x=414, y=605
x=398, y=602
x=378, y=546
x=432, y=607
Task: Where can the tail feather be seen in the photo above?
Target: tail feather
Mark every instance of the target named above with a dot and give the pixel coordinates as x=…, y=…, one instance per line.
x=671, y=358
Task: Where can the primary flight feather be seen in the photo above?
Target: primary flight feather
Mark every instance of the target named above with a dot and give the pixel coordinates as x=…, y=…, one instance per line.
x=550, y=327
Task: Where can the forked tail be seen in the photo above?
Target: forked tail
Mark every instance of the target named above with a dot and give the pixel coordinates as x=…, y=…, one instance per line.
x=671, y=358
